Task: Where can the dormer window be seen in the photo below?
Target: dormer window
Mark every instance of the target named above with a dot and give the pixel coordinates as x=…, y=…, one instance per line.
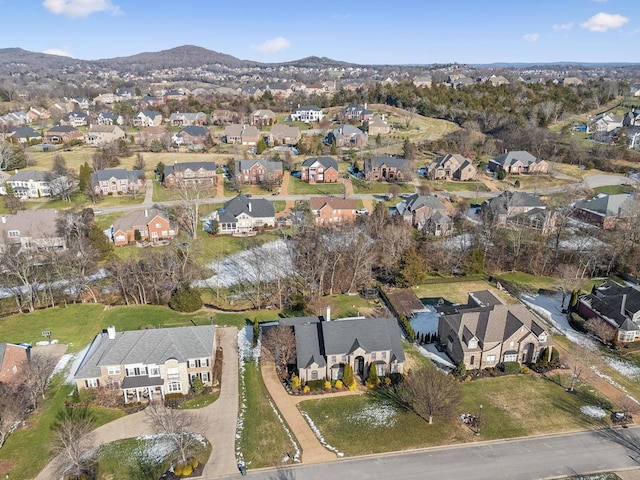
x=543, y=337
x=473, y=343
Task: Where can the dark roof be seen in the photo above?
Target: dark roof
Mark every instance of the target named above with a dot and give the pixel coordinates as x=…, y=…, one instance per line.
x=504, y=202
x=254, y=207
x=316, y=339
x=509, y=158
x=305, y=108
x=615, y=302
x=181, y=167
x=326, y=162
x=139, y=218
x=118, y=173
x=397, y=162
x=416, y=201
x=608, y=205
x=195, y=130
x=484, y=298
x=25, y=131
x=62, y=129
x=268, y=165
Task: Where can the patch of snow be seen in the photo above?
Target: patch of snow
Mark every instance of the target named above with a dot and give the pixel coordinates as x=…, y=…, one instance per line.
x=75, y=364
x=294, y=444
x=593, y=411
x=430, y=351
x=376, y=416
x=425, y=321
x=62, y=364
x=613, y=382
x=627, y=369
x=318, y=434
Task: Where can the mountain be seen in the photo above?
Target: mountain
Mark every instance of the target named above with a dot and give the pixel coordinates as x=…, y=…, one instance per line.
x=17, y=59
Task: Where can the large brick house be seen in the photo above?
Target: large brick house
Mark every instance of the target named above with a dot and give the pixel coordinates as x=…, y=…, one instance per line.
x=605, y=211
x=451, y=167
x=384, y=169
x=152, y=224
x=190, y=174
x=149, y=364
x=518, y=162
x=117, y=180
x=257, y=172
x=325, y=346
x=319, y=170
x=330, y=211
x=486, y=334
x=63, y=134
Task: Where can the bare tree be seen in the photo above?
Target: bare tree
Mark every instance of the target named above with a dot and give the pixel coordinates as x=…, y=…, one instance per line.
x=280, y=343
x=179, y=426
x=601, y=329
x=13, y=406
x=583, y=359
x=568, y=279
x=139, y=163
x=72, y=441
x=36, y=376
x=430, y=393
x=408, y=114
x=10, y=158
x=190, y=200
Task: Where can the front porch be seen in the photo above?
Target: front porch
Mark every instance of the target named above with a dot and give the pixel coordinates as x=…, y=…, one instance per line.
x=142, y=388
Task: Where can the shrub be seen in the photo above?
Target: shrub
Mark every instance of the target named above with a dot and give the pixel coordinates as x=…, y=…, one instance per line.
x=327, y=385
x=510, y=367
x=525, y=369
x=185, y=299
x=347, y=377
x=306, y=389
x=387, y=381
x=339, y=384
x=194, y=463
x=294, y=382
x=460, y=370
x=177, y=470
x=187, y=470
x=197, y=386
x=372, y=375
x=316, y=384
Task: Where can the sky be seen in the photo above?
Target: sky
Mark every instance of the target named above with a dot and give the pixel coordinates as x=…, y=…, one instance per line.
x=358, y=31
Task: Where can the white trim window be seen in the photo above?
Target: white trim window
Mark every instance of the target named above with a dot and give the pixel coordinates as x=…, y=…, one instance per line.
x=491, y=359
x=511, y=357
x=174, y=387
x=173, y=373
x=115, y=370
x=154, y=371
x=92, y=382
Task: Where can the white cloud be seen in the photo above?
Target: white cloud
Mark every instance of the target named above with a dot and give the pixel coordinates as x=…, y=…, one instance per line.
x=563, y=26
x=80, y=8
x=273, y=45
x=601, y=22
x=531, y=37
x=57, y=51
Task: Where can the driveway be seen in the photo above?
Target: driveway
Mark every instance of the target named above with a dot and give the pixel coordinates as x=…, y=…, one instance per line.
x=217, y=421
x=602, y=180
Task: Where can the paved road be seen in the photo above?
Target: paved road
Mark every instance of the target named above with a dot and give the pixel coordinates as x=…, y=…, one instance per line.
x=528, y=459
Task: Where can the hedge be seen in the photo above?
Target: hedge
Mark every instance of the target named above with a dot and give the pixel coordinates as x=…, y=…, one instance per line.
x=401, y=317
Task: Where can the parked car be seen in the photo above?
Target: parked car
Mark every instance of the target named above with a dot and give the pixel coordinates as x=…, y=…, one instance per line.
x=362, y=211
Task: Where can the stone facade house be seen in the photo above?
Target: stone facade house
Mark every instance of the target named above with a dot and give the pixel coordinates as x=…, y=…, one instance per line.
x=117, y=180
x=148, y=134
x=347, y=136
x=192, y=135
x=384, y=169
x=99, y=135
x=616, y=306
x=517, y=162
x=324, y=346
x=224, y=117
x=190, y=174
x=284, y=135
x=262, y=118
x=242, y=215
x=241, y=134
x=319, y=170
x=30, y=231
x=178, y=119
x=426, y=212
x=499, y=210
x=149, y=364
x=330, y=211
x=378, y=125
x=153, y=225
x=451, y=167
x=485, y=335
x=355, y=113
x=257, y=172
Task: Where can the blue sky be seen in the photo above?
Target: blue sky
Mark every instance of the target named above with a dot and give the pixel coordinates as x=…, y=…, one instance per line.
x=400, y=32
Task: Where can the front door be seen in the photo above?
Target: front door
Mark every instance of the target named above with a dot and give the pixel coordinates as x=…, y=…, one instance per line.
x=359, y=368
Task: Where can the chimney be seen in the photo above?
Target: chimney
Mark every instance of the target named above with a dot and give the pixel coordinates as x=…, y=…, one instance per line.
x=249, y=206
x=146, y=213
x=327, y=315
x=4, y=219
x=111, y=332
x=365, y=105
x=623, y=304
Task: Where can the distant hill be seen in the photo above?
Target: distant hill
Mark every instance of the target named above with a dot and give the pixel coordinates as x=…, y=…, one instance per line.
x=17, y=59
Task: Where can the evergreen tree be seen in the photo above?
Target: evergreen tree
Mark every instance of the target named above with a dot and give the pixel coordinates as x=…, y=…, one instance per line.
x=185, y=299
x=411, y=269
x=334, y=149
x=262, y=146
x=84, y=177
x=347, y=377
x=372, y=375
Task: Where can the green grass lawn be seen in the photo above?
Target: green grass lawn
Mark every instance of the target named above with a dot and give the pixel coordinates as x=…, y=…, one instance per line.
x=528, y=283
x=29, y=449
x=360, y=186
x=80, y=200
x=264, y=441
x=200, y=401
x=513, y=406
x=457, y=292
x=77, y=325
x=437, y=185
x=298, y=187
x=614, y=189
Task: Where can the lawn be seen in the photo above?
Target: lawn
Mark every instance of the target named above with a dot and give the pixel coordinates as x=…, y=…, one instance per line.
x=29, y=449
x=532, y=182
x=457, y=292
x=441, y=185
x=524, y=282
x=614, y=189
x=513, y=406
x=360, y=186
x=80, y=200
x=298, y=187
x=263, y=440
x=77, y=325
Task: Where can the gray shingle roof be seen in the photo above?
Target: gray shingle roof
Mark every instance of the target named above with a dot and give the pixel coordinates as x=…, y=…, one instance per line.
x=117, y=173
x=195, y=131
x=509, y=158
x=26, y=175
x=609, y=205
x=138, y=218
x=254, y=207
x=508, y=200
x=147, y=347
x=397, y=162
x=326, y=162
x=181, y=167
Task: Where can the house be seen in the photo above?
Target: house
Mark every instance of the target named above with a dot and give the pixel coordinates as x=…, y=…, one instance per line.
x=192, y=135
x=262, y=118
x=604, y=210
x=518, y=162
x=257, y=172
x=616, y=306
x=81, y=102
x=329, y=211
x=509, y=204
x=423, y=81
x=307, y=114
x=30, y=230
x=108, y=118
x=13, y=119
x=355, y=113
x=324, y=346
x=607, y=123
x=190, y=174
x=28, y=184
x=149, y=364
x=278, y=90
x=147, y=118
x=151, y=101
x=241, y=134
x=378, y=125
x=13, y=359
x=284, y=135
x=384, y=169
x=117, y=180
x=319, y=170
x=63, y=134
x=186, y=119
x=224, y=117
x=242, y=215
x=25, y=134
x=148, y=134
x=451, y=167
x=75, y=119
x=426, y=212
x=488, y=335
x=347, y=136
x=151, y=224
x=38, y=113
x=99, y=135
x=250, y=91
x=174, y=94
